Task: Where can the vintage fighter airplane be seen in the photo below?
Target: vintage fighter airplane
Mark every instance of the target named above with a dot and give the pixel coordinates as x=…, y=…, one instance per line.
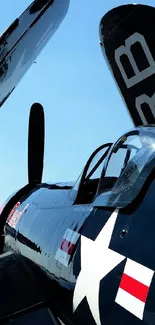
x=83, y=253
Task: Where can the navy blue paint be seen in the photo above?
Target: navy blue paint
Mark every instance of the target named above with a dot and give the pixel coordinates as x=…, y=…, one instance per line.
x=29, y=273
x=45, y=227
x=39, y=232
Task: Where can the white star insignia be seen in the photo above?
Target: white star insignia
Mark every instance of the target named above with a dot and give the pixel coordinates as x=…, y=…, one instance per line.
x=97, y=260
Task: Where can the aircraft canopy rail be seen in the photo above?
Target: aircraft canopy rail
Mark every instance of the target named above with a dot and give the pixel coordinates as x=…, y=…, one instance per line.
x=87, y=183
x=128, y=164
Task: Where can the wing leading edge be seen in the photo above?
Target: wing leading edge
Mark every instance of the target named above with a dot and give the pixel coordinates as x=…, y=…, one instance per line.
x=24, y=40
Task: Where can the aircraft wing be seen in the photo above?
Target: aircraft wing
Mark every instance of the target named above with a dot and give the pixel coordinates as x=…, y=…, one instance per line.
x=128, y=45
x=25, y=38
x=22, y=300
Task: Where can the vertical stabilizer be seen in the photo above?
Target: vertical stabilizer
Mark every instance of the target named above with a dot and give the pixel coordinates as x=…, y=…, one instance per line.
x=128, y=43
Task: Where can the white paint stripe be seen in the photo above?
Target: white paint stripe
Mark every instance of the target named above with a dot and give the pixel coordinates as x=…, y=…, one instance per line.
x=138, y=272
x=62, y=257
x=71, y=236
x=130, y=303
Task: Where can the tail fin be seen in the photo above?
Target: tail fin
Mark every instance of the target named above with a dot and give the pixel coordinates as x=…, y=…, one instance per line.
x=25, y=38
x=128, y=44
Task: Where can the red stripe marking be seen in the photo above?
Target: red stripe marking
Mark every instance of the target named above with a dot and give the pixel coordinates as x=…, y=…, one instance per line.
x=13, y=211
x=134, y=287
x=67, y=247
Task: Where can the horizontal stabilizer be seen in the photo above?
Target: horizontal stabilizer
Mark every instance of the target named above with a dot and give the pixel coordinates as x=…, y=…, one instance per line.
x=128, y=44
x=24, y=40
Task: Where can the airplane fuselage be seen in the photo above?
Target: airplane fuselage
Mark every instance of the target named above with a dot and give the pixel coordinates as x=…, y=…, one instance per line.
x=75, y=267
x=83, y=251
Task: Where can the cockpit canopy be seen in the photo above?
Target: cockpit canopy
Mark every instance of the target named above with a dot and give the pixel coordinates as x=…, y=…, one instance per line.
x=115, y=173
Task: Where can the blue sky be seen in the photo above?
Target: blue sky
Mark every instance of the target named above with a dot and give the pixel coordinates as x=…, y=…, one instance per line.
x=82, y=105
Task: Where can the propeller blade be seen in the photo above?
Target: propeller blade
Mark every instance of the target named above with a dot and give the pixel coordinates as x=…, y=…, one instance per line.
x=36, y=135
